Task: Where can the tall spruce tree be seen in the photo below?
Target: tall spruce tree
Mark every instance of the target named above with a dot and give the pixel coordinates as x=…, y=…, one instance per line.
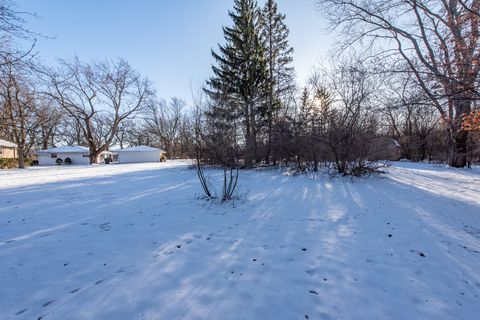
x=239, y=77
x=280, y=75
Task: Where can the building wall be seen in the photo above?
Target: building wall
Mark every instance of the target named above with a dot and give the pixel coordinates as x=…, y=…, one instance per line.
x=138, y=157
x=77, y=159
x=8, y=153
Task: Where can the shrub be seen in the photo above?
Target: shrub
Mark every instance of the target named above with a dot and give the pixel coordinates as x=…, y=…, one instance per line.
x=8, y=163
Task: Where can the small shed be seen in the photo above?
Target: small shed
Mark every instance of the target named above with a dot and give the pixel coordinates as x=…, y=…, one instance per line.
x=139, y=154
x=8, y=150
x=75, y=155
x=385, y=149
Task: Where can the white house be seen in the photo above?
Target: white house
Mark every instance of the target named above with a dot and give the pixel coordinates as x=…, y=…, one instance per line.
x=8, y=149
x=139, y=154
x=76, y=154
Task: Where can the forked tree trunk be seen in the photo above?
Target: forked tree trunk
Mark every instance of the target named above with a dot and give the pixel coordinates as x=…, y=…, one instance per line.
x=458, y=136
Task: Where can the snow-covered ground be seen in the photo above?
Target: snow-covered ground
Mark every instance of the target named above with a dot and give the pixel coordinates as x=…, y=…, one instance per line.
x=134, y=242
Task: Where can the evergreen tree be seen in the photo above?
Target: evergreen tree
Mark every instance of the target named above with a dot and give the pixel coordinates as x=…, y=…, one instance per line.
x=278, y=54
x=240, y=74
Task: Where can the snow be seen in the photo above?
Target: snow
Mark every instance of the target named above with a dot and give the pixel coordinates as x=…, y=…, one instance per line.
x=135, y=242
x=139, y=149
x=7, y=144
x=66, y=149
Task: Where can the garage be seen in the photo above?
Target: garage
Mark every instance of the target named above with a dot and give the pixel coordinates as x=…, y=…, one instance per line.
x=74, y=155
x=139, y=154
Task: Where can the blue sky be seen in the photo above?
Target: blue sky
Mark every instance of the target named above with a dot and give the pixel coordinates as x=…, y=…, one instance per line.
x=169, y=41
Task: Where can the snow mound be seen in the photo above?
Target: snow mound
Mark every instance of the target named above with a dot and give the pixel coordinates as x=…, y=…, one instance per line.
x=67, y=149
x=139, y=149
x=8, y=144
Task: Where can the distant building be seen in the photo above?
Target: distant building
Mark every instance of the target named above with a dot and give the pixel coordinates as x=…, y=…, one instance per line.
x=8, y=150
x=75, y=155
x=385, y=149
x=140, y=154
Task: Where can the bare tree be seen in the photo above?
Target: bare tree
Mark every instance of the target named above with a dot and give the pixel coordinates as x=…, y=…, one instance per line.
x=352, y=122
x=12, y=28
x=18, y=109
x=165, y=121
x=49, y=117
x=99, y=97
x=436, y=40
x=216, y=145
x=411, y=119
x=126, y=133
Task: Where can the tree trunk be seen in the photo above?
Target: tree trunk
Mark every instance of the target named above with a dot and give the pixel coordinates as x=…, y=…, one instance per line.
x=93, y=154
x=458, y=136
x=21, y=158
x=458, y=149
x=248, y=137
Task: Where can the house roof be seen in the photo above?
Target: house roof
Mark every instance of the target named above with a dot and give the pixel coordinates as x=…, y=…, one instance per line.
x=67, y=149
x=7, y=144
x=139, y=149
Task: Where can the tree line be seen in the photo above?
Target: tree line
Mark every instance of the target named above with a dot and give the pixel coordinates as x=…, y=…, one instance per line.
x=407, y=71
x=413, y=79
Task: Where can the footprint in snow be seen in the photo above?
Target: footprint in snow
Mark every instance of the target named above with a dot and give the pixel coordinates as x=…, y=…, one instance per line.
x=99, y=281
x=310, y=272
x=105, y=226
x=46, y=304
x=21, y=311
x=75, y=290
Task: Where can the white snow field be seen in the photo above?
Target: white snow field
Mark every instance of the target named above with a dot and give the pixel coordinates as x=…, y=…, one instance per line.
x=135, y=242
